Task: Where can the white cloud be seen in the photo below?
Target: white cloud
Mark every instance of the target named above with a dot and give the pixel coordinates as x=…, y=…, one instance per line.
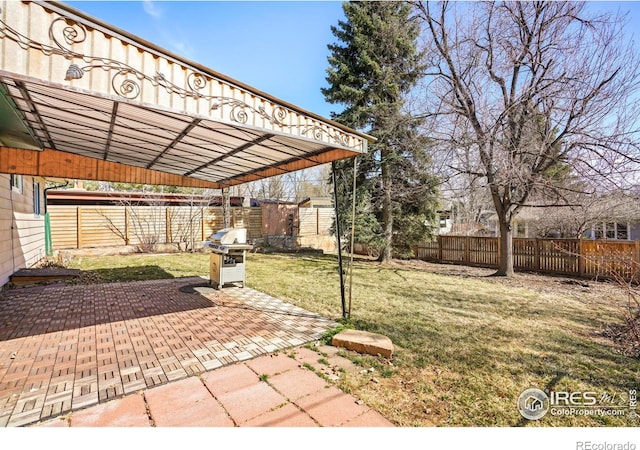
x=151, y=9
x=182, y=48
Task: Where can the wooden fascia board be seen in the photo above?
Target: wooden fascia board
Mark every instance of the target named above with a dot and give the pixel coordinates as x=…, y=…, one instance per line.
x=292, y=166
x=54, y=163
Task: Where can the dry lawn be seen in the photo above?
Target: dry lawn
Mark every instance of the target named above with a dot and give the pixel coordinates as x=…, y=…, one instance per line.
x=467, y=344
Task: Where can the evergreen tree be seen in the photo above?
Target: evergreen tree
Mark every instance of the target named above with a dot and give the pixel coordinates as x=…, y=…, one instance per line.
x=372, y=67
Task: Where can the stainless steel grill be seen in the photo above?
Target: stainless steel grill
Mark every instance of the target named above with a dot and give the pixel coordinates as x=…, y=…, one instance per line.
x=228, y=256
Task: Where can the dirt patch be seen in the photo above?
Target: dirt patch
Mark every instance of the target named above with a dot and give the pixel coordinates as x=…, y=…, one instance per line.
x=626, y=337
x=552, y=284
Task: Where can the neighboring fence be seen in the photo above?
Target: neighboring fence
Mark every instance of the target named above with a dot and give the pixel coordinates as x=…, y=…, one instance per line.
x=315, y=221
x=584, y=258
x=100, y=226
x=74, y=227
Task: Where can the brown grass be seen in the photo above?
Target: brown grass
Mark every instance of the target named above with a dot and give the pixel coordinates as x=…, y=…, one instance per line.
x=467, y=344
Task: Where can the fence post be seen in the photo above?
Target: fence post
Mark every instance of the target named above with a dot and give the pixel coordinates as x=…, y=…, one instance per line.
x=638, y=257
x=467, y=250
x=582, y=267
x=79, y=228
x=167, y=227
x=439, y=238
x=536, y=257
x=202, y=224
x=126, y=226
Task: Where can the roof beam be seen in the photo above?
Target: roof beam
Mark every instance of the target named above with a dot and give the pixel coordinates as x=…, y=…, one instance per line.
x=242, y=148
x=114, y=114
x=173, y=143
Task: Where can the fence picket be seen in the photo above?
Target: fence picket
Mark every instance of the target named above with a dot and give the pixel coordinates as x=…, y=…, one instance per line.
x=555, y=256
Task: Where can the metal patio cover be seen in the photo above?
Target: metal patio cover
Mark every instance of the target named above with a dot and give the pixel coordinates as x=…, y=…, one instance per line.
x=82, y=99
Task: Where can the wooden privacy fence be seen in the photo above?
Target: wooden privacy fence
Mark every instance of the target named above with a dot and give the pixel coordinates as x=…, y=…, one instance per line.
x=99, y=226
x=315, y=221
x=576, y=257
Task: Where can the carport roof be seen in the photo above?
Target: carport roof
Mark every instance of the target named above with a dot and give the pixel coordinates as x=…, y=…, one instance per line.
x=70, y=83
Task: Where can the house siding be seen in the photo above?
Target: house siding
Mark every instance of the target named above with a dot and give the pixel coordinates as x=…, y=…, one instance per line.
x=21, y=230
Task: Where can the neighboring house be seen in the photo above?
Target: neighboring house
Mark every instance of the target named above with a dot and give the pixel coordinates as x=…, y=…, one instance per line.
x=526, y=225
x=448, y=224
x=22, y=229
x=444, y=222
x=622, y=230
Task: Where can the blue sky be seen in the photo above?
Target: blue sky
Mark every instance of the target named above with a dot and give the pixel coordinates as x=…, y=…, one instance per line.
x=277, y=47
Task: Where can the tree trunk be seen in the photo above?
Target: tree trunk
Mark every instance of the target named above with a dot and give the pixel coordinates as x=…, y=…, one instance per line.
x=505, y=261
x=387, y=212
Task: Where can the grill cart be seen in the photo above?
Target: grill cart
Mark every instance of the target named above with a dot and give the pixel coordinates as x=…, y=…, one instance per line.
x=228, y=252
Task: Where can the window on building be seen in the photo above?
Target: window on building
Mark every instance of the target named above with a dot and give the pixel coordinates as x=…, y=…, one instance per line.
x=36, y=198
x=622, y=231
x=611, y=230
x=598, y=231
x=16, y=183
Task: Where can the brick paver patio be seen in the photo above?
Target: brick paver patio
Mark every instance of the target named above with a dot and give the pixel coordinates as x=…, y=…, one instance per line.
x=266, y=391
x=70, y=347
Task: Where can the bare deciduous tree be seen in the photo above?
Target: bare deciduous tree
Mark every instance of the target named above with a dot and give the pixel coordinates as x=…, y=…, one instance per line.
x=586, y=211
x=151, y=221
x=525, y=87
x=292, y=186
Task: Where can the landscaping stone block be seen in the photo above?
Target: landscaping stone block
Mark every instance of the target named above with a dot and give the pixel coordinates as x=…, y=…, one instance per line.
x=364, y=342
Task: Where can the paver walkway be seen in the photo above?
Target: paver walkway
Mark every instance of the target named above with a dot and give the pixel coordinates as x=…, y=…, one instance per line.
x=64, y=348
x=267, y=391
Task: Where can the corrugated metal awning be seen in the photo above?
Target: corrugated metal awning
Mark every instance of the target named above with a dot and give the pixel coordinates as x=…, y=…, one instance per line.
x=80, y=88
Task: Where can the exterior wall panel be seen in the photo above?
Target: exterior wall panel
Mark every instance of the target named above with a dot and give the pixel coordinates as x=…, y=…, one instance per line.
x=21, y=231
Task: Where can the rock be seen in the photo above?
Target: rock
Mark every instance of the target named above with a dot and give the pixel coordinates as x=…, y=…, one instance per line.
x=364, y=342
